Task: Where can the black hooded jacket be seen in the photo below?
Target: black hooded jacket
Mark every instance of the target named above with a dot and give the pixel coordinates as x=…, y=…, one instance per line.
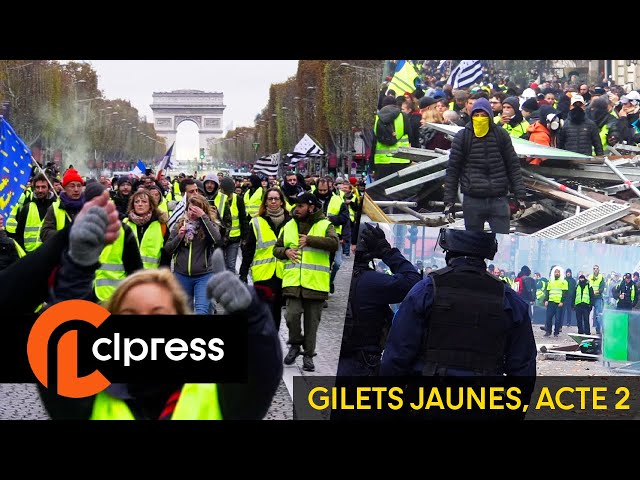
x=484, y=167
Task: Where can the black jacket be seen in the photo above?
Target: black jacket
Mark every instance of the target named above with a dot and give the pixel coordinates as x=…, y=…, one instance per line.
x=369, y=315
x=25, y=282
x=484, y=167
x=580, y=136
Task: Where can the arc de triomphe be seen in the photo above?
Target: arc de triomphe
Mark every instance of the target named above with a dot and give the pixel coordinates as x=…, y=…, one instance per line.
x=205, y=109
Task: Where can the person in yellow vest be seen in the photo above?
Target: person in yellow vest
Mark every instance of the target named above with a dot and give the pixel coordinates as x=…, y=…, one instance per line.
x=266, y=270
x=122, y=193
x=238, y=230
x=156, y=193
x=511, y=118
x=32, y=214
x=118, y=259
x=305, y=244
x=583, y=304
x=335, y=210
x=191, y=242
x=291, y=188
x=555, y=296
x=157, y=292
x=10, y=250
x=25, y=282
x=11, y=223
x=392, y=130
x=217, y=198
x=148, y=223
x=63, y=211
x=610, y=133
x=596, y=280
x=626, y=293
x=253, y=196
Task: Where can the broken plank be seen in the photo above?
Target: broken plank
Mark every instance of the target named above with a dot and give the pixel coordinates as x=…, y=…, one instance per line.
x=373, y=211
x=558, y=195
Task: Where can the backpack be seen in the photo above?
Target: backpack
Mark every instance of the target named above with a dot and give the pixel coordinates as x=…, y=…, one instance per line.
x=386, y=132
x=528, y=289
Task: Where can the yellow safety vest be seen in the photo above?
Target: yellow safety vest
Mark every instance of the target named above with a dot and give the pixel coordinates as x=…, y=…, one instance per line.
x=264, y=264
x=252, y=203
x=151, y=244
x=385, y=153
x=111, y=271
x=313, y=270
x=334, y=209
x=555, y=288
x=235, y=217
x=21, y=252
x=604, y=132
x=582, y=296
x=197, y=401
x=177, y=196
x=595, y=283
x=12, y=221
x=163, y=206
x=220, y=201
x=518, y=131
x=60, y=214
x=32, y=228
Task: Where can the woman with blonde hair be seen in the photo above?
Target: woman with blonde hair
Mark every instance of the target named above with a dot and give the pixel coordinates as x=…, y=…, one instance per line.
x=191, y=243
x=149, y=226
x=430, y=138
x=157, y=292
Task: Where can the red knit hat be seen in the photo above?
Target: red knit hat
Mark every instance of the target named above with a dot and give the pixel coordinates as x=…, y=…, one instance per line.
x=71, y=175
x=353, y=180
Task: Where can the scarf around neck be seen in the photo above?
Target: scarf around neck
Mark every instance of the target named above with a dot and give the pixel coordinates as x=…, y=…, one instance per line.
x=276, y=216
x=140, y=219
x=71, y=206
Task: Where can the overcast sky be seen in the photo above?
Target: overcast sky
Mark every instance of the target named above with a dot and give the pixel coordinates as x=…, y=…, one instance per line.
x=244, y=83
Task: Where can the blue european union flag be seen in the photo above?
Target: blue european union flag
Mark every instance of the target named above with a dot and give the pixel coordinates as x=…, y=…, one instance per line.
x=15, y=167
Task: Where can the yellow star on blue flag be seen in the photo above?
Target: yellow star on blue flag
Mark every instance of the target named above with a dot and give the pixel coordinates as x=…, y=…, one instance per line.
x=15, y=167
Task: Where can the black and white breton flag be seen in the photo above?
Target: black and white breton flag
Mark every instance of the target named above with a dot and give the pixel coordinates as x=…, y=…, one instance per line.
x=466, y=73
x=306, y=147
x=268, y=165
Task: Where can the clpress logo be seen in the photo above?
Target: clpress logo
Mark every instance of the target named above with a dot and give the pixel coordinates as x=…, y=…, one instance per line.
x=78, y=348
x=69, y=384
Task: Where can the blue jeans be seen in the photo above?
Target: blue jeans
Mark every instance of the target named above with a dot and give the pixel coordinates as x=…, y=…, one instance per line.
x=231, y=256
x=196, y=289
x=598, y=307
x=553, y=310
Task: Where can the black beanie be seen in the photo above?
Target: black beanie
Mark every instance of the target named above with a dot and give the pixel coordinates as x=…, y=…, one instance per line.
x=513, y=101
x=530, y=105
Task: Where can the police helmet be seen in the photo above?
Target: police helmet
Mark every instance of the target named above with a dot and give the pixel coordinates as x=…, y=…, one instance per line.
x=465, y=242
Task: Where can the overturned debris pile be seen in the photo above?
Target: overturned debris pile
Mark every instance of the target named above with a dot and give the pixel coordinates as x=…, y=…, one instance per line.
x=571, y=197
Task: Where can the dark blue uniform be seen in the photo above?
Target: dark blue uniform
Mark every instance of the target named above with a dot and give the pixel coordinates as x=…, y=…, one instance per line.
x=372, y=293
x=402, y=351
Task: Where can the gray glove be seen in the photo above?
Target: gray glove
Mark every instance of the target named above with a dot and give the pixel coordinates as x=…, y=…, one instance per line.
x=86, y=238
x=226, y=288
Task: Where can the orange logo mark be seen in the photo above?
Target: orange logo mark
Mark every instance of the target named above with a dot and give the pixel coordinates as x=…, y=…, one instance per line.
x=69, y=384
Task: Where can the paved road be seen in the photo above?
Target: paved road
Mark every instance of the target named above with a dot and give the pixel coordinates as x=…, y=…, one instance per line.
x=328, y=345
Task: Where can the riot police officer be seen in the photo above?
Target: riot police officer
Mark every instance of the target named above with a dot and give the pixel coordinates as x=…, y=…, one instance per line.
x=368, y=315
x=460, y=320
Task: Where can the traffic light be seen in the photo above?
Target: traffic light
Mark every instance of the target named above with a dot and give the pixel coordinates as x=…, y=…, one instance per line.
x=202, y=154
